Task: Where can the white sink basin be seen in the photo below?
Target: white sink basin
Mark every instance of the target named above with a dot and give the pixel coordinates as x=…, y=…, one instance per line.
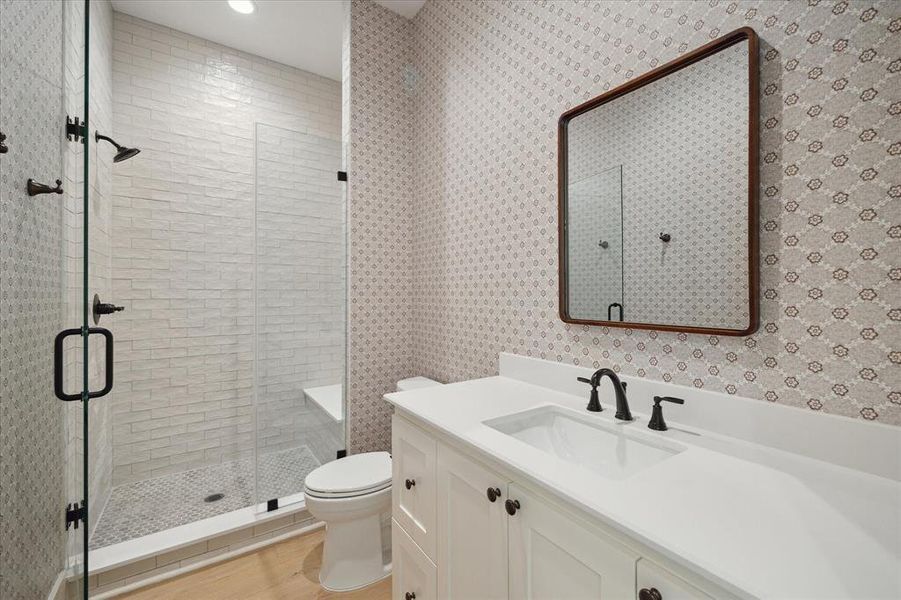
x=614, y=451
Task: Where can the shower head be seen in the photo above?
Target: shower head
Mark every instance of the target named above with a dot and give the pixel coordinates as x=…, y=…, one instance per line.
x=122, y=153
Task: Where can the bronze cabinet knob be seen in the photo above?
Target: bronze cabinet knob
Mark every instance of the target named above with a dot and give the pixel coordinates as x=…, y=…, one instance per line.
x=494, y=493
x=649, y=594
x=409, y=483
x=512, y=506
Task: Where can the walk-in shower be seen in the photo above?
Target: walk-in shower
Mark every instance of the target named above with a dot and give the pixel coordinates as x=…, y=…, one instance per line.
x=217, y=244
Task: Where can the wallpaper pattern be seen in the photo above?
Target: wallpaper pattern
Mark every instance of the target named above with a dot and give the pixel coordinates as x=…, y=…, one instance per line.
x=492, y=79
x=32, y=476
x=380, y=169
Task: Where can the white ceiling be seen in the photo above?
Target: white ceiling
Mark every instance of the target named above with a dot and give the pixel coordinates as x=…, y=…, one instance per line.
x=302, y=33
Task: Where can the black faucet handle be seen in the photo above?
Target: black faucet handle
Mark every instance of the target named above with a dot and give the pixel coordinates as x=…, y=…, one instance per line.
x=594, y=404
x=659, y=399
x=657, y=423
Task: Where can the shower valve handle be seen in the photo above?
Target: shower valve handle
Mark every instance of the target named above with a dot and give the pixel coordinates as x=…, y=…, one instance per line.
x=103, y=308
x=107, y=309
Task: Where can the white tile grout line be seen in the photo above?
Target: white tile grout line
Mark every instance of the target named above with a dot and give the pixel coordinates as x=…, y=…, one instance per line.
x=205, y=563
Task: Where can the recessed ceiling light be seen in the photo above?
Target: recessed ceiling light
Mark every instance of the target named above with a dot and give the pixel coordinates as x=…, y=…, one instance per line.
x=245, y=7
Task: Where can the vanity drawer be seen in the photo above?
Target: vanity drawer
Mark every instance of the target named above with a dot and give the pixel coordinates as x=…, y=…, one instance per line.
x=413, y=492
x=669, y=587
x=413, y=574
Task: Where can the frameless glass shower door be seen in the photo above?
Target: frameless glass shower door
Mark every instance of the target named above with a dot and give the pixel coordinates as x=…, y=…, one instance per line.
x=300, y=297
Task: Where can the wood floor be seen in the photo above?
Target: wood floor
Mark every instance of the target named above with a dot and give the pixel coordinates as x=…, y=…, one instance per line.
x=287, y=570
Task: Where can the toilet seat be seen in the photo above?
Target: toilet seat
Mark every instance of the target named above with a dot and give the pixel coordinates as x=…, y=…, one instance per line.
x=355, y=475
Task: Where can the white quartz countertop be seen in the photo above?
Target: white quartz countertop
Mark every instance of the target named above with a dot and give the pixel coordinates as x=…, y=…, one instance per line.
x=760, y=522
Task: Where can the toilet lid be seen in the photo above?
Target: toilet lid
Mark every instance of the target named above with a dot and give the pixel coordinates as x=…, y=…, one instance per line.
x=360, y=473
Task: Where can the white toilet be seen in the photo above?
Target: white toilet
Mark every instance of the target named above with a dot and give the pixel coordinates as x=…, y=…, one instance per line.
x=351, y=495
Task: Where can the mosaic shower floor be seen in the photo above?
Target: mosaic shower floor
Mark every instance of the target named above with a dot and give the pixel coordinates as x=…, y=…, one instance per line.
x=153, y=505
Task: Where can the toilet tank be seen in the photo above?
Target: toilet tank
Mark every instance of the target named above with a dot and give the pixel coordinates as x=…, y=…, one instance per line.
x=415, y=383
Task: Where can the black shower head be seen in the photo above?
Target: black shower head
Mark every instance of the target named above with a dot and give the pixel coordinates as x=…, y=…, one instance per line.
x=122, y=153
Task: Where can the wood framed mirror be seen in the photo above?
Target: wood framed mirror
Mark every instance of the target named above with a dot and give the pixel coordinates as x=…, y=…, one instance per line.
x=658, y=183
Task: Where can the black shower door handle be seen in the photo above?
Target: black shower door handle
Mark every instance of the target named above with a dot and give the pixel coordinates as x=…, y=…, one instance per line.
x=610, y=311
x=58, y=385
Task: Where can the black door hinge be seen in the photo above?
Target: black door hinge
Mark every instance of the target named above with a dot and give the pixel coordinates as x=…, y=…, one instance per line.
x=272, y=505
x=75, y=513
x=342, y=175
x=75, y=130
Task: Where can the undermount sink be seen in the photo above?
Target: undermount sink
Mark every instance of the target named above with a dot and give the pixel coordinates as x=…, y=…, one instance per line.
x=607, y=449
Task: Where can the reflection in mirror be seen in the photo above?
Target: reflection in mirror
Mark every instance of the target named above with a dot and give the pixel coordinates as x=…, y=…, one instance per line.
x=658, y=226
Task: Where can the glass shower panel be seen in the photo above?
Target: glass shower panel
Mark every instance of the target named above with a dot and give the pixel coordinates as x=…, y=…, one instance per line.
x=300, y=307
x=595, y=248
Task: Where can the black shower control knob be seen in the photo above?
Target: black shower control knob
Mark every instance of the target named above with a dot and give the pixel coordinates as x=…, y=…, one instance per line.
x=512, y=506
x=107, y=309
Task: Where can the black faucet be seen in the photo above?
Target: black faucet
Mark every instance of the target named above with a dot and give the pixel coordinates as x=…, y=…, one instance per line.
x=619, y=388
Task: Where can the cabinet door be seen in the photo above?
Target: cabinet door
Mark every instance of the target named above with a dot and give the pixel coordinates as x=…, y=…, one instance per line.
x=413, y=482
x=413, y=574
x=472, y=530
x=554, y=555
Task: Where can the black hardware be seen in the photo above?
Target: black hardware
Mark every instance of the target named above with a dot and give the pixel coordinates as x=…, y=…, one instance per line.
x=341, y=453
x=410, y=596
x=58, y=385
x=272, y=505
x=657, y=423
x=35, y=188
x=604, y=244
x=342, y=175
x=619, y=388
x=75, y=130
x=610, y=310
x=74, y=513
x=122, y=152
x=494, y=493
x=594, y=405
x=649, y=594
x=409, y=483
x=512, y=506
x=664, y=237
x=102, y=308
x=3, y=148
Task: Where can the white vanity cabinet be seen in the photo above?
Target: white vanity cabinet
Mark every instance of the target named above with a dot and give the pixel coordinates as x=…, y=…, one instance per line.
x=553, y=555
x=487, y=537
x=413, y=482
x=471, y=528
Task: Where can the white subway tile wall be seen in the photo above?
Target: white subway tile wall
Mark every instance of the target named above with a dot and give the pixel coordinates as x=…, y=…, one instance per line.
x=184, y=247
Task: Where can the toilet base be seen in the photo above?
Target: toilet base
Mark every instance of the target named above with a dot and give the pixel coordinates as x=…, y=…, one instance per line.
x=352, y=555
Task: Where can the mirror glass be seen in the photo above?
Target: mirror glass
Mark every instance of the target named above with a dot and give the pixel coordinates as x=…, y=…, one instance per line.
x=657, y=204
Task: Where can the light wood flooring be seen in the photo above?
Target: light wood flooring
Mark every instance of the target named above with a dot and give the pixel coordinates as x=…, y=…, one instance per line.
x=287, y=570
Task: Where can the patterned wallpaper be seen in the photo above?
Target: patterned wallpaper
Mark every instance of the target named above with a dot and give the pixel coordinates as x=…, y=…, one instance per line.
x=380, y=170
x=682, y=145
x=31, y=270
x=492, y=79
